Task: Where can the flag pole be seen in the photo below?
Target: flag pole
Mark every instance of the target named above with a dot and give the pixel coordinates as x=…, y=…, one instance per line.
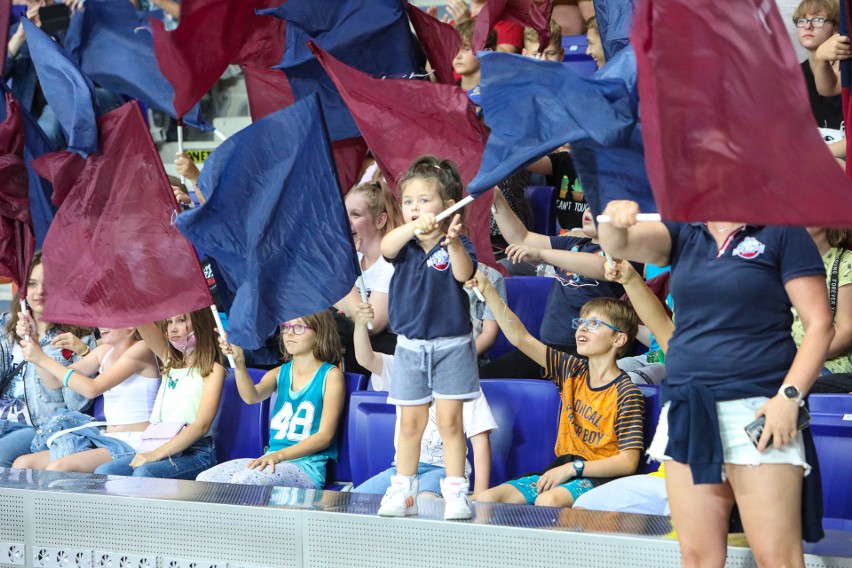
x=641, y=217
x=219, y=135
x=23, y=304
x=445, y=214
x=362, y=289
x=180, y=144
x=221, y=327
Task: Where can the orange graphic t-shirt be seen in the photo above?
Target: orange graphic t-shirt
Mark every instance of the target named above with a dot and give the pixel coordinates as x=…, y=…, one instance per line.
x=594, y=422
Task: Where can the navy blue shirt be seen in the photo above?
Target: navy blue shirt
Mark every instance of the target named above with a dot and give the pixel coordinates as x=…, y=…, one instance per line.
x=426, y=301
x=570, y=291
x=733, y=338
x=733, y=313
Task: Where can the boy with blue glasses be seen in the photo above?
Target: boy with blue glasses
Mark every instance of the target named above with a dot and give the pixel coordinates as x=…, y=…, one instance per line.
x=600, y=434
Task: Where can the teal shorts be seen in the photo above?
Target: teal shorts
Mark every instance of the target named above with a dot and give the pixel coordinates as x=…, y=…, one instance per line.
x=527, y=486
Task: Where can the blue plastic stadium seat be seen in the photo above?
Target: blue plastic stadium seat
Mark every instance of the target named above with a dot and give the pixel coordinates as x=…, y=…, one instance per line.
x=831, y=425
x=527, y=413
x=653, y=405
x=336, y=473
x=370, y=434
x=527, y=298
x=575, y=55
x=241, y=428
x=97, y=408
x=540, y=198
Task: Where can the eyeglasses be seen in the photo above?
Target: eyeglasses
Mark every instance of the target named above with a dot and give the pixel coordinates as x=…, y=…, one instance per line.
x=817, y=23
x=297, y=328
x=591, y=324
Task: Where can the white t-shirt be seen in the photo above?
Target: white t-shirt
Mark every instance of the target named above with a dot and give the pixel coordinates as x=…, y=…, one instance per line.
x=476, y=419
x=377, y=278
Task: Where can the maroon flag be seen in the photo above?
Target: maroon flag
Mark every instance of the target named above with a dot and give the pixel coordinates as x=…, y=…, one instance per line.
x=263, y=47
x=112, y=256
x=533, y=14
x=440, y=41
x=5, y=19
x=402, y=119
x=17, y=240
x=733, y=141
x=269, y=90
x=194, y=56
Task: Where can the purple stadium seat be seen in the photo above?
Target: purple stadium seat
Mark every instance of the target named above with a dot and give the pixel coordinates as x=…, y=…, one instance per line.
x=527, y=297
x=97, y=409
x=241, y=428
x=540, y=198
x=527, y=413
x=831, y=425
x=340, y=471
x=370, y=434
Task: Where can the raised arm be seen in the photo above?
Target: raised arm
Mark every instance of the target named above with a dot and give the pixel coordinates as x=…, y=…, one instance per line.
x=155, y=340
x=512, y=327
x=512, y=228
x=826, y=72
x=460, y=261
x=647, y=305
x=393, y=242
x=647, y=242
x=364, y=353
x=250, y=393
x=584, y=263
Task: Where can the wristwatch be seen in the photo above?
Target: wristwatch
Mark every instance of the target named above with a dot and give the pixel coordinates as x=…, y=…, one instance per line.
x=578, y=467
x=791, y=392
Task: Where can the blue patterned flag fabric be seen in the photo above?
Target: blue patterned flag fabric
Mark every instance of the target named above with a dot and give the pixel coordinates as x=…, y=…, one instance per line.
x=275, y=222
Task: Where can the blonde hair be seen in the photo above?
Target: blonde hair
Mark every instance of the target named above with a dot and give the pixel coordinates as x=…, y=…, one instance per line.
x=531, y=35
x=831, y=9
x=327, y=347
x=465, y=29
x=206, y=353
x=380, y=200
x=619, y=313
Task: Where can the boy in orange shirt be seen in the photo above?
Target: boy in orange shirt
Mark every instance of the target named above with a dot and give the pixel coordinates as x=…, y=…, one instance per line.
x=601, y=423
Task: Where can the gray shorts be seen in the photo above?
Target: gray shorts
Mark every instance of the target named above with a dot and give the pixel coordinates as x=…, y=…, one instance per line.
x=444, y=368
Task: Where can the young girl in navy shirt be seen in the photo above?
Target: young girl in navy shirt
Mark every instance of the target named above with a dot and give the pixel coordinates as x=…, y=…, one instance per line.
x=435, y=355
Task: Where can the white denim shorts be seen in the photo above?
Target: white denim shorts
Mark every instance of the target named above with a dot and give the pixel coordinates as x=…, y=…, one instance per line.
x=734, y=416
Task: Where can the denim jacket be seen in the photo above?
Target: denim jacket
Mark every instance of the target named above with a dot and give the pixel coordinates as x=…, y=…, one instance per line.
x=42, y=402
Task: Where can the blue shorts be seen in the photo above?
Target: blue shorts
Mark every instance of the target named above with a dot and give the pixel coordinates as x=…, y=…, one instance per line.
x=442, y=368
x=527, y=486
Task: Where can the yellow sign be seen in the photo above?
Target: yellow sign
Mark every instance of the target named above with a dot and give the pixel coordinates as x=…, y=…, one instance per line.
x=198, y=156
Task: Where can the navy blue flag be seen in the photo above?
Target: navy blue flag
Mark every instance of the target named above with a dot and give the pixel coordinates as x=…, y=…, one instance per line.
x=35, y=144
x=373, y=37
x=275, y=222
x=614, y=19
x=114, y=46
x=615, y=171
x=563, y=108
x=68, y=91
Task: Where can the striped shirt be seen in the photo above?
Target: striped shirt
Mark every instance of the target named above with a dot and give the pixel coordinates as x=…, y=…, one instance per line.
x=595, y=422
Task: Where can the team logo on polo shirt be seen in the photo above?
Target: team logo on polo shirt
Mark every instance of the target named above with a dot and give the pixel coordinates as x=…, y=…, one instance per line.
x=749, y=248
x=440, y=260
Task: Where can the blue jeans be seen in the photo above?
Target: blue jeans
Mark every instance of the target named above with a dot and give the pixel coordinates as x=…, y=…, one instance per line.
x=198, y=457
x=429, y=475
x=15, y=440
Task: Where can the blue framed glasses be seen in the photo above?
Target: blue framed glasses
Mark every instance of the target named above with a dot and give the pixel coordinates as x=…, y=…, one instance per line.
x=592, y=324
x=297, y=328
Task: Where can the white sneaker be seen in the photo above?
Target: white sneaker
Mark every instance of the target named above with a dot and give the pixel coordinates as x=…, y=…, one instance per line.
x=456, y=504
x=400, y=499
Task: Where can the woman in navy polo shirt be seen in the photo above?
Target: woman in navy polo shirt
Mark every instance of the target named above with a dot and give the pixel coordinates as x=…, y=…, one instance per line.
x=732, y=358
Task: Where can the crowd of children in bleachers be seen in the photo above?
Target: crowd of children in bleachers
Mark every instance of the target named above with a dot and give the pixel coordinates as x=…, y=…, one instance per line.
x=426, y=335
